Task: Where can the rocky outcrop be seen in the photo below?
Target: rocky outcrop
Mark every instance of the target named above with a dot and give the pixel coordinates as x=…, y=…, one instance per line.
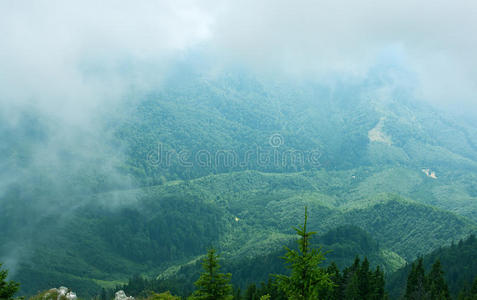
x=61, y=293
x=121, y=295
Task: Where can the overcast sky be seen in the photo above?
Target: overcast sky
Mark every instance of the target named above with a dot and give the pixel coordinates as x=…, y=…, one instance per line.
x=45, y=45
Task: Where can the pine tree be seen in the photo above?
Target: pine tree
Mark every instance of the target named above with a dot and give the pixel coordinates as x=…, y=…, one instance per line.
x=7, y=288
x=336, y=278
x=347, y=284
x=352, y=288
x=359, y=282
x=468, y=293
x=377, y=285
x=306, y=278
x=212, y=285
x=437, y=285
x=364, y=277
x=416, y=288
x=433, y=286
x=273, y=290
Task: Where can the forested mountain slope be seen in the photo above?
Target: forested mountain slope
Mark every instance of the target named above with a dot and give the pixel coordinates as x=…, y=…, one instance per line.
x=154, y=228
x=342, y=245
x=229, y=159
x=459, y=263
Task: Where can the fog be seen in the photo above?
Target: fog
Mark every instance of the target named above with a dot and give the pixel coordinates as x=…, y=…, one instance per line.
x=70, y=64
x=49, y=47
x=67, y=65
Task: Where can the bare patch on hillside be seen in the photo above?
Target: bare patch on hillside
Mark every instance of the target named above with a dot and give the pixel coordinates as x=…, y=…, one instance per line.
x=377, y=135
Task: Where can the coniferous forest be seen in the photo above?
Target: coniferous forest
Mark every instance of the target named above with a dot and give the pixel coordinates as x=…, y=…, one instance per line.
x=306, y=277
x=241, y=150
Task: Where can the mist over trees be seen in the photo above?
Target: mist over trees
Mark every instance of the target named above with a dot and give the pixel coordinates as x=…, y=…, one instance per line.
x=7, y=288
x=137, y=137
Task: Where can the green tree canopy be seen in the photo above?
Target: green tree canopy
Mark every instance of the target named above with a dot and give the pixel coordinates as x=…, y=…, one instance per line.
x=212, y=285
x=307, y=278
x=163, y=296
x=416, y=282
x=7, y=288
x=438, y=288
x=421, y=286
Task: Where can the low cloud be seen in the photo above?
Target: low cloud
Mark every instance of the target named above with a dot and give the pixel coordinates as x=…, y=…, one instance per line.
x=65, y=65
x=70, y=57
x=433, y=40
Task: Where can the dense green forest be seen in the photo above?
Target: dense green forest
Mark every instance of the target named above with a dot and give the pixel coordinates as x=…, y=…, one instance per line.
x=217, y=161
x=170, y=225
x=306, y=278
x=301, y=273
x=341, y=246
x=452, y=266
x=459, y=262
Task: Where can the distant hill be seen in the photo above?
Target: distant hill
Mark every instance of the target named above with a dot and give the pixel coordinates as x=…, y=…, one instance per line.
x=459, y=263
x=342, y=245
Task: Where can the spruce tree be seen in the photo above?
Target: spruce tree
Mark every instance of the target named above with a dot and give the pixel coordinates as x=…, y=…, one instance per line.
x=377, y=285
x=364, y=277
x=416, y=288
x=468, y=293
x=349, y=283
x=437, y=285
x=352, y=288
x=306, y=278
x=337, y=279
x=212, y=285
x=7, y=288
